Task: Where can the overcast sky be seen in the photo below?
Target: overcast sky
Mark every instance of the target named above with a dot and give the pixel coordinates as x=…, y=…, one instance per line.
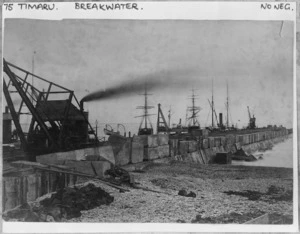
x=256, y=58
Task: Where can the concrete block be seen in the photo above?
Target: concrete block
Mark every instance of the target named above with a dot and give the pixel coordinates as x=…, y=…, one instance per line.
x=71, y=155
x=47, y=158
x=223, y=141
x=223, y=158
x=81, y=166
x=209, y=155
x=217, y=142
x=183, y=147
x=247, y=139
x=173, y=143
x=107, y=153
x=205, y=143
x=80, y=154
x=150, y=153
x=163, y=139
x=104, y=151
x=116, y=148
x=193, y=146
x=152, y=141
x=137, y=152
x=230, y=139
x=163, y=151
x=100, y=167
x=204, y=156
x=237, y=146
x=195, y=157
x=172, y=151
x=143, y=139
x=221, y=148
x=123, y=157
x=85, y=152
x=214, y=150
x=211, y=142
x=94, y=158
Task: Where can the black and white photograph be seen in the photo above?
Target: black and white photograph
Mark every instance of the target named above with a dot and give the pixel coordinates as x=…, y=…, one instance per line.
x=148, y=121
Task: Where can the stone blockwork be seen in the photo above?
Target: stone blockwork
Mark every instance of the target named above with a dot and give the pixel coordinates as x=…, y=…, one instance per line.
x=211, y=145
x=157, y=147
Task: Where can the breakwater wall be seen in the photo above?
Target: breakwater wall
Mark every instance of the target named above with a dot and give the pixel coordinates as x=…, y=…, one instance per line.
x=210, y=146
x=22, y=183
x=123, y=151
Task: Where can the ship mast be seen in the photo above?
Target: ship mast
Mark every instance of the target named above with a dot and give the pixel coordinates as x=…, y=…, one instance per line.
x=195, y=110
x=169, y=117
x=212, y=105
x=145, y=108
x=227, y=107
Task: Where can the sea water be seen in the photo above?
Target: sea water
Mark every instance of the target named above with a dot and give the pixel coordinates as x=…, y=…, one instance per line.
x=280, y=156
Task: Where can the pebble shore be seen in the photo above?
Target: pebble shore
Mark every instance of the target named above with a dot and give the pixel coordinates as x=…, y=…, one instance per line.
x=224, y=194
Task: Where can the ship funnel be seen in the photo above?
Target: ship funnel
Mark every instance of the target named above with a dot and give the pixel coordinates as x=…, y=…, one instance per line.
x=81, y=105
x=221, y=119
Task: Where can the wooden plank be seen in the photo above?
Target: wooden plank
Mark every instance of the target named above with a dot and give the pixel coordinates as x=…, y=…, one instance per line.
x=83, y=175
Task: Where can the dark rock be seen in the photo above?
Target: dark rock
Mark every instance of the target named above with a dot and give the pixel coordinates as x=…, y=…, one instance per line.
x=180, y=221
x=55, y=212
x=69, y=202
x=191, y=194
x=31, y=217
x=251, y=195
x=250, y=158
x=25, y=206
x=182, y=192
x=240, y=152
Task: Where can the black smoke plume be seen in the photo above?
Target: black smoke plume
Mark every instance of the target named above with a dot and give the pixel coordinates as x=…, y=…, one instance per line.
x=161, y=80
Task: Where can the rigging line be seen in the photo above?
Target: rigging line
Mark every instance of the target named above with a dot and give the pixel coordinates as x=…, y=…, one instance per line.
x=207, y=118
x=231, y=118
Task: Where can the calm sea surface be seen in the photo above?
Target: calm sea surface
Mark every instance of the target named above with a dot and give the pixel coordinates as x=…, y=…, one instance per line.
x=280, y=156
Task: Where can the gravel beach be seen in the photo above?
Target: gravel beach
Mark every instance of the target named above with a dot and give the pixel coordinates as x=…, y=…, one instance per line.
x=223, y=194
